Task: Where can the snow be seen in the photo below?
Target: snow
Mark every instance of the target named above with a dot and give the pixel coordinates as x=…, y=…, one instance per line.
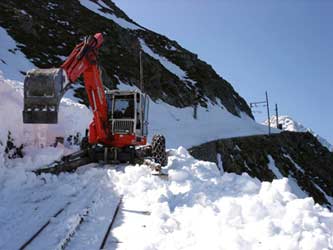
x=170, y=47
x=173, y=68
x=219, y=162
x=12, y=60
x=295, y=188
x=273, y=168
x=195, y=208
x=96, y=6
x=289, y=124
x=212, y=123
x=327, y=197
x=293, y=162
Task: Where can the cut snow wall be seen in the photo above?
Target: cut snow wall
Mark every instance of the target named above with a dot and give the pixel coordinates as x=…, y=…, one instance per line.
x=73, y=118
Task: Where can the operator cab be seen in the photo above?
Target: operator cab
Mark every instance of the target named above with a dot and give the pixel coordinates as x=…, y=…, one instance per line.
x=128, y=113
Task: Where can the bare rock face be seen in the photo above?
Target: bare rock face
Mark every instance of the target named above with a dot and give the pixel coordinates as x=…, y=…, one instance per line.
x=47, y=31
x=297, y=156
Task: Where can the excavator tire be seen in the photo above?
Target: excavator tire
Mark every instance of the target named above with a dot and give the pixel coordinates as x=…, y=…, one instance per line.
x=158, y=150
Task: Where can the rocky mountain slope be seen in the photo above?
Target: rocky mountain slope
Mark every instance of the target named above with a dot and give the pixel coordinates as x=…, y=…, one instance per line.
x=300, y=157
x=46, y=32
x=289, y=124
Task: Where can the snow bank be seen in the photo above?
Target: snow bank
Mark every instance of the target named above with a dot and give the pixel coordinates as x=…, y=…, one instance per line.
x=199, y=209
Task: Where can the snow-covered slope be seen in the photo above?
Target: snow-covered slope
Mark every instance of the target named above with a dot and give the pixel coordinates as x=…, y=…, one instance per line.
x=212, y=123
x=196, y=208
x=12, y=61
x=289, y=124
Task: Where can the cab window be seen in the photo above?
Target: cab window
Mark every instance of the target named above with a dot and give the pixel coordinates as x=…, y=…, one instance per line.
x=124, y=107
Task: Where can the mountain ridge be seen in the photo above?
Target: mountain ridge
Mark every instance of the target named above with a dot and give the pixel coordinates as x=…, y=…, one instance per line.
x=290, y=124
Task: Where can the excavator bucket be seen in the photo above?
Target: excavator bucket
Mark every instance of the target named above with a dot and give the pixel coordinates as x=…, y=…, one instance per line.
x=43, y=89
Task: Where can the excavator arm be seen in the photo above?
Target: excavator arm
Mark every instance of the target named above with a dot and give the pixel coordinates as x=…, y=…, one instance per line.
x=44, y=88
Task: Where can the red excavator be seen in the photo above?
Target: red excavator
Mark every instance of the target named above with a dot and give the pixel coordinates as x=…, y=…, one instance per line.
x=118, y=132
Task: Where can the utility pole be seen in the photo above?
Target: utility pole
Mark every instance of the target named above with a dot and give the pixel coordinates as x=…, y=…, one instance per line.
x=141, y=72
x=269, y=116
x=277, y=115
x=195, y=105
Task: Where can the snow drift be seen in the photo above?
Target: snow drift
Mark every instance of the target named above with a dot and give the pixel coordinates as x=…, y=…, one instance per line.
x=196, y=208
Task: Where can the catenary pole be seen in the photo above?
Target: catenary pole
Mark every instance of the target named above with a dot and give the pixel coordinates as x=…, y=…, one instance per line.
x=141, y=73
x=268, y=115
x=277, y=115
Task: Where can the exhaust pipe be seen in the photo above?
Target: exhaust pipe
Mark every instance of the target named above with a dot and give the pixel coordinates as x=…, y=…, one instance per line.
x=43, y=90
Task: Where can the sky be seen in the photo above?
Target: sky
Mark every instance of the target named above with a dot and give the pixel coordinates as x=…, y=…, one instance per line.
x=283, y=47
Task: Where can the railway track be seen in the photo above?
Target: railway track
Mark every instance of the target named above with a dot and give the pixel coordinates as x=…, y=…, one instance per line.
x=55, y=222
x=85, y=221
x=80, y=219
x=35, y=235
x=107, y=233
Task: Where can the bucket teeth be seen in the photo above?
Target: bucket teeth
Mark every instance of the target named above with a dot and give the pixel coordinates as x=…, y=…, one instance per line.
x=45, y=117
x=43, y=89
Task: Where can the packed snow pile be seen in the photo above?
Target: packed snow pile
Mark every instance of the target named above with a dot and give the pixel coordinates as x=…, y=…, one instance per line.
x=290, y=124
x=197, y=207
